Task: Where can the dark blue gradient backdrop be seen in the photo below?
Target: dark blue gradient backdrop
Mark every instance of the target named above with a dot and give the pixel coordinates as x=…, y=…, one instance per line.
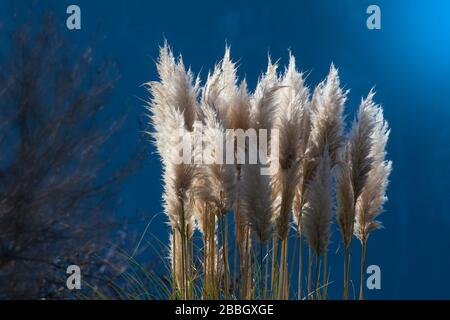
x=408, y=61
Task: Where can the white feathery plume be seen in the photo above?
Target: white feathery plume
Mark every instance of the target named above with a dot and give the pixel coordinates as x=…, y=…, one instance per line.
x=291, y=98
x=236, y=100
x=261, y=108
x=263, y=104
x=256, y=201
x=356, y=164
x=229, y=99
x=218, y=185
x=373, y=195
x=174, y=94
x=238, y=115
x=369, y=204
x=326, y=124
x=304, y=141
x=317, y=214
x=327, y=118
x=173, y=109
x=227, y=84
x=345, y=197
x=361, y=142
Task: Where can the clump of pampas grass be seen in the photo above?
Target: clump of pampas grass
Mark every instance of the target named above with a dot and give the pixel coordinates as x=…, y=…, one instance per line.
x=362, y=181
x=312, y=157
x=173, y=110
x=324, y=136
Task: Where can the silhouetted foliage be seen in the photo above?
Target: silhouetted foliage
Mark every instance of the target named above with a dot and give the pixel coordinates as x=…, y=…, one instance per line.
x=57, y=187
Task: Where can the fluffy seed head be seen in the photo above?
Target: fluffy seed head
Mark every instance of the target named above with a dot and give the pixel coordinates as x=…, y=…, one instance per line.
x=373, y=195
x=317, y=216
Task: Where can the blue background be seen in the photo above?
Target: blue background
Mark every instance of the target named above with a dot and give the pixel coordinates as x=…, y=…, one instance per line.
x=408, y=61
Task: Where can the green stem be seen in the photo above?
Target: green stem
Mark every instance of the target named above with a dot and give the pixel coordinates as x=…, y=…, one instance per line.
x=174, y=266
x=363, y=267
x=291, y=273
x=309, y=272
x=275, y=271
x=224, y=227
x=183, y=251
x=300, y=265
x=325, y=277
x=345, y=271
x=349, y=267
x=267, y=271
x=316, y=282
x=261, y=273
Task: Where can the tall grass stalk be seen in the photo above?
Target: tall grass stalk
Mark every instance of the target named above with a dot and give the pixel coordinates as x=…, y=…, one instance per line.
x=325, y=277
x=363, y=269
x=317, y=277
x=300, y=267
x=310, y=265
